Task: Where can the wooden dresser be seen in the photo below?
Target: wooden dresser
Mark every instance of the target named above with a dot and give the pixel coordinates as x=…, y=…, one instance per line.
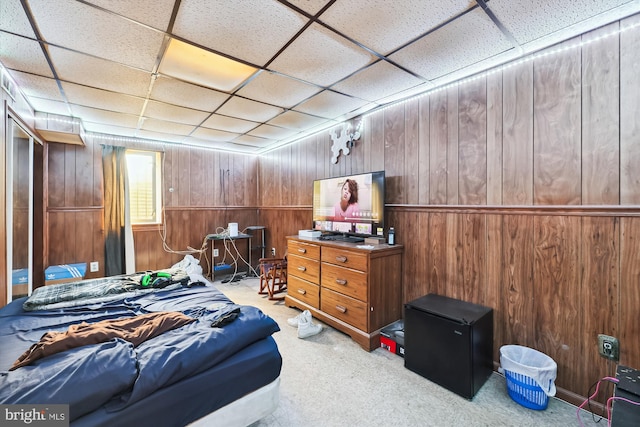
x=357, y=291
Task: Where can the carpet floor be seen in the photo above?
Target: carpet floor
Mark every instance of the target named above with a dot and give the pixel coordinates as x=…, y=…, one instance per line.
x=329, y=380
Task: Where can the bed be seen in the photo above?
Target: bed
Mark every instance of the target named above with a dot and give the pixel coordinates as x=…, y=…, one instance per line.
x=216, y=364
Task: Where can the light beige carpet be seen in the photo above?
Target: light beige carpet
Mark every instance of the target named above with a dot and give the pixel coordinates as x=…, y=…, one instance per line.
x=328, y=380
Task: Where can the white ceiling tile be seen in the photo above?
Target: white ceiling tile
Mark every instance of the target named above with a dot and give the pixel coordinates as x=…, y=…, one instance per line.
x=88, y=96
x=251, y=30
x=253, y=141
x=108, y=129
x=277, y=89
x=164, y=126
x=95, y=72
x=38, y=86
x=229, y=124
x=250, y=110
x=13, y=18
x=214, y=134
x=296, y=120
x=177, y=92
x=399, y=21
x=19, y=53
x=163, y=111
x=330, y=105
x=49, y=106
x=321, y=57
x=310, y=6
x=529, y=20
x=155, y=13
x=377, y=81
x=103, y=34
x=159, y=136
x=272, y=132
x=104, y=116
x=466, y=40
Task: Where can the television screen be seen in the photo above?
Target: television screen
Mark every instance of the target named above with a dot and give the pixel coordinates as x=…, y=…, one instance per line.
x=351, y=204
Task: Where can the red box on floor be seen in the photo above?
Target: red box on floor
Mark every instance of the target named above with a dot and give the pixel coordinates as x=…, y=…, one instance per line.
x=387, y=344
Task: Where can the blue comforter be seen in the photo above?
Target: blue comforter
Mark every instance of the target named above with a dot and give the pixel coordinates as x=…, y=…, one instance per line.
x=114, y=374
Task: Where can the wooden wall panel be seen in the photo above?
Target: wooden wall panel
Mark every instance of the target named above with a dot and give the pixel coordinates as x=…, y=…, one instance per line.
x=452, y=177
x=472, y=131
x=630, y=113
x=438, y=138
x=557, y=293
x=197, y=180
x=556, y=156
x=628, y=292
x=394, y=148
x=600, y=119
x=423, y=151
x=517, y=113
x=412, y=152
x=494, y=292
x=494, y=139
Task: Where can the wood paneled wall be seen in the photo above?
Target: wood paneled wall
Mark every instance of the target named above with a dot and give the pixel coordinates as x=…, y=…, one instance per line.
x=518, y=190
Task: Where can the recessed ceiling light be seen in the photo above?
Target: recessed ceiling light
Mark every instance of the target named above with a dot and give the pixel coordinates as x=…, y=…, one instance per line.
x=192, y=64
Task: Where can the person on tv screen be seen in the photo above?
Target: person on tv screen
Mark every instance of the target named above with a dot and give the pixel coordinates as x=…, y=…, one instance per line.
x=347, y=208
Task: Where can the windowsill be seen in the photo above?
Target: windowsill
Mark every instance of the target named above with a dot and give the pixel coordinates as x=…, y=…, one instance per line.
x=146, y=227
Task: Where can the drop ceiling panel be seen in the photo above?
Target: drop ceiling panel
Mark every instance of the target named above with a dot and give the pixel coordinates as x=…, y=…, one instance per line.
x=229, y=124
x=251, y=30
x=99, y=73
x=49, y=106
x=377, y=81
x=113, y=101
x=272, y=132
x=165, y=126
x=173, y=113
x=90, y=126
x=468, y=39
x=253, y=141
x=13, y=18
x=19, y=53
x=296, y=120
x=400, y=21
x=155, y=13
x=529, y=20
x=38, y=86
x=312, y=7
x=104, y=116
x=320, y=56
x=214, y=134
x=177, y=92
x=330, y=104
x=249, y=110
x=159, y=136
x=103, y=34
x=277, y=89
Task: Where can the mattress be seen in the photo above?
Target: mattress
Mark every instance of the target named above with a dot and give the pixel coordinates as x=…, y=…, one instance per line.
x=172, y=379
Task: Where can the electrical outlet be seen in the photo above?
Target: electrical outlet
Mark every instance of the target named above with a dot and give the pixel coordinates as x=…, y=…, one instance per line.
x=273, y=251
x=609, y=347
x=94, y=266
x=216, y=253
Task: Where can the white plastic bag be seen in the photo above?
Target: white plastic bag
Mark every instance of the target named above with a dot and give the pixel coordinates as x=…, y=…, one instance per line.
x=531, y=363
x=192, y=268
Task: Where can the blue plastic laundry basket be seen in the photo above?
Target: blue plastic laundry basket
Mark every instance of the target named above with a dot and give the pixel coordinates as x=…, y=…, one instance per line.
x=530, y=375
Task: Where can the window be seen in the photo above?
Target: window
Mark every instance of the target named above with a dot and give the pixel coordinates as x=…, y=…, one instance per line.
x=145, y=195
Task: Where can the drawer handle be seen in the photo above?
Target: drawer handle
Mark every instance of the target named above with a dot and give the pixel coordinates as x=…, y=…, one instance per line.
x=341, y=281
x=302, y=268
x=302, y=250
x=341, y=258
x=341, y=309
x=302, y=291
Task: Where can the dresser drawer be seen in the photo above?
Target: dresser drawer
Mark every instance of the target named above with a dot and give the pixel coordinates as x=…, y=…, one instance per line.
x=345, y=258
x=304, y=291
x=345, y=308
x=308, y=250
x=304, y=268
x=345, y=281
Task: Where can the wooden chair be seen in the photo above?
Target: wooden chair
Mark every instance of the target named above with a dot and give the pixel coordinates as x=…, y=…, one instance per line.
x=273, y=277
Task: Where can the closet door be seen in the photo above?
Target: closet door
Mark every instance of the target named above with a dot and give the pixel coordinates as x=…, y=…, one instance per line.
x=19, y=214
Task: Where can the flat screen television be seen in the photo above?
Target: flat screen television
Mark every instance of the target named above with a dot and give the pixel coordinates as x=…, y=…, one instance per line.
x=350, y=205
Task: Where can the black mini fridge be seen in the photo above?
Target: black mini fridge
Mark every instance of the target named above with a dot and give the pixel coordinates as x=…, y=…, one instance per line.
x=449, y=342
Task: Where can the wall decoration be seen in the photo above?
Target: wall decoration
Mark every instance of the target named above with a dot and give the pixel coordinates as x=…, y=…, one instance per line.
x=345, y=140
